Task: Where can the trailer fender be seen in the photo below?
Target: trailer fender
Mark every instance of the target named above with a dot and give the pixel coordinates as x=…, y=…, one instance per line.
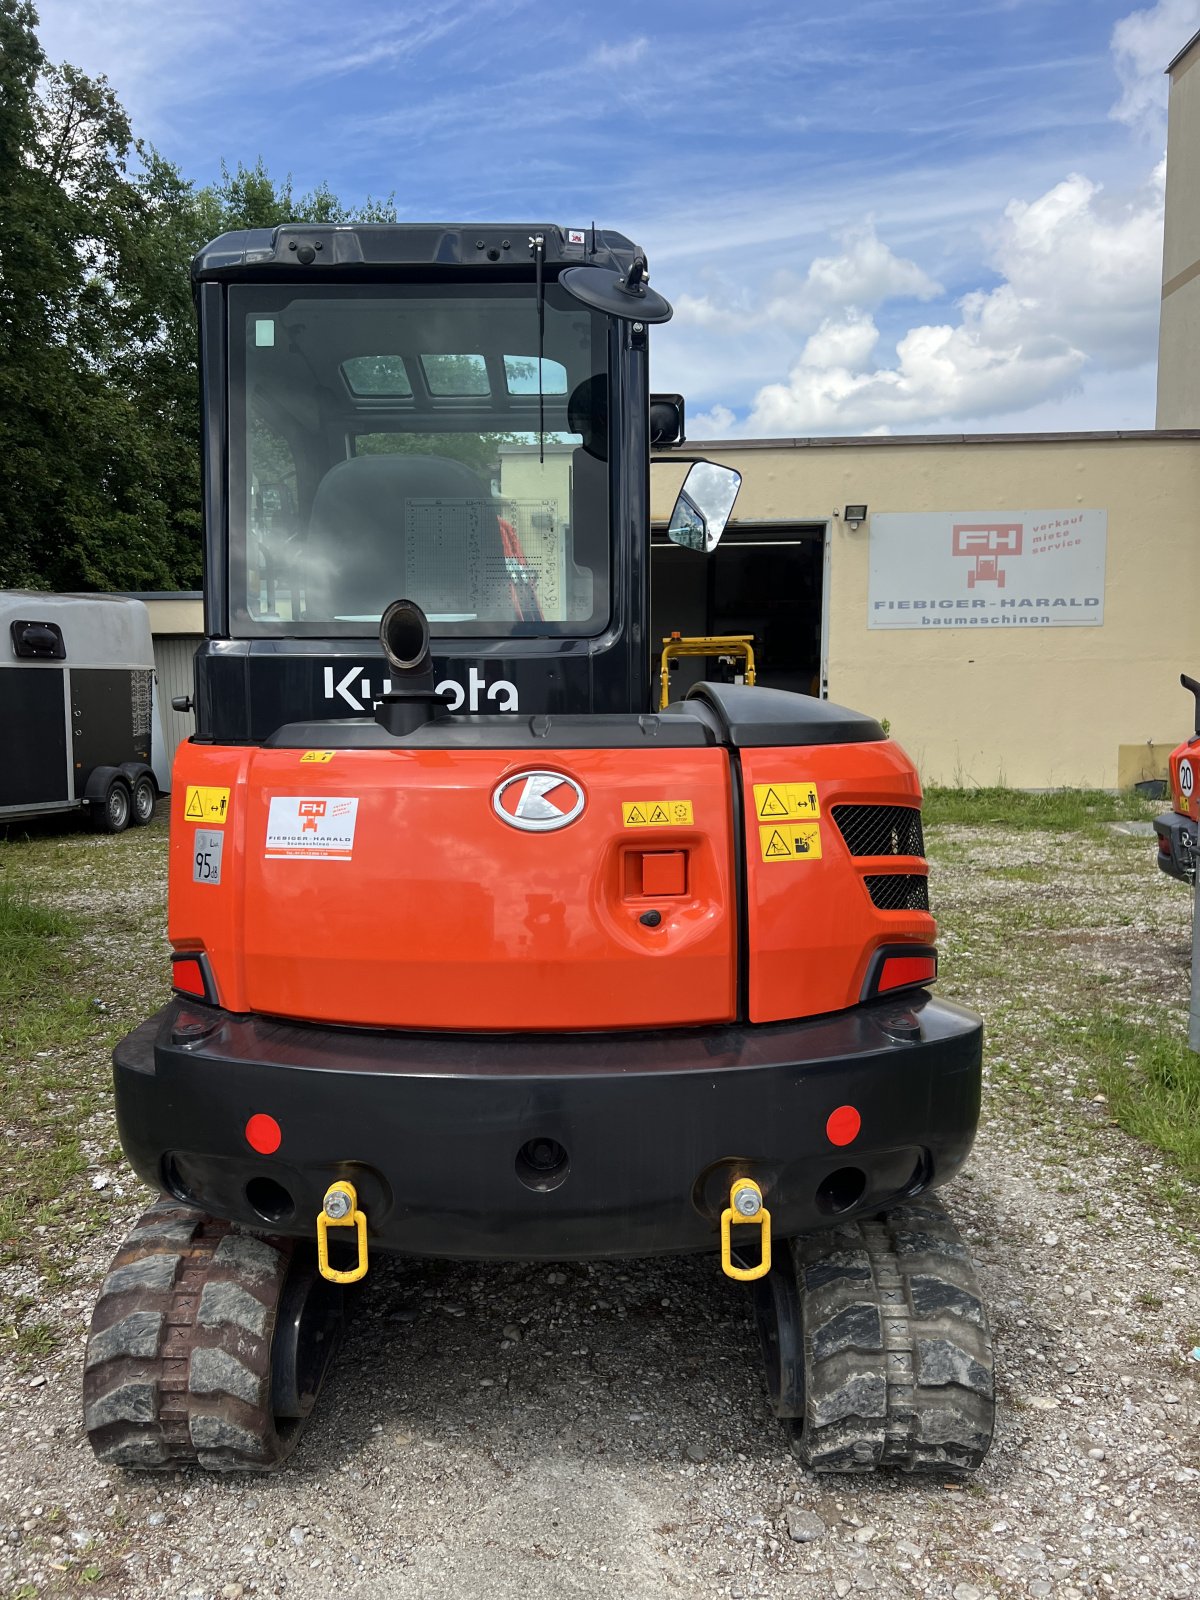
x=98, y=782
x=108, y=800
x=133, y=770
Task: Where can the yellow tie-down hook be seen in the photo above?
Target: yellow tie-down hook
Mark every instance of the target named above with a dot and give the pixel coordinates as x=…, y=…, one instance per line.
x=745, y=1208
x=339, y=1209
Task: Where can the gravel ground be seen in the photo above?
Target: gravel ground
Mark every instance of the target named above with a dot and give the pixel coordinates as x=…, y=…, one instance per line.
x=601, y=1429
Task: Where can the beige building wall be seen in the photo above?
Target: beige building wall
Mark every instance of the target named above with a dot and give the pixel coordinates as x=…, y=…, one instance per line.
x=1179, y=325
x=1032, y=708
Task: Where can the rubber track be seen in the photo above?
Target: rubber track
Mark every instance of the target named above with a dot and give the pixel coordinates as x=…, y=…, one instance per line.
x=178, y=1364
x=898, y=1356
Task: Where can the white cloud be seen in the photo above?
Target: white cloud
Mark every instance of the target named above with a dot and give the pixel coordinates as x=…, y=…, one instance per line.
x=163, y=58
x=847, y=341
x=1142, y=45
x=1079, y=289
x=620, y=55
x=864, y=275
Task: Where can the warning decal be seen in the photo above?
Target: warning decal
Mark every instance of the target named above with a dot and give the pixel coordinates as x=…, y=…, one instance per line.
x=321, y=828
x=774, y=801
x=317, y=755
x=656, y=813
x=790, y=841
x=210, y=806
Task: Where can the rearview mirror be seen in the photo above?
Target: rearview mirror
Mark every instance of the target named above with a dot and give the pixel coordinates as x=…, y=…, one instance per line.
x=704, y=506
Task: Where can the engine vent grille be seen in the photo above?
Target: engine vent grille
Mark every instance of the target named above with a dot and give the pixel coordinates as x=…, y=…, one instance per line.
x=881, y=830
x=898, y=891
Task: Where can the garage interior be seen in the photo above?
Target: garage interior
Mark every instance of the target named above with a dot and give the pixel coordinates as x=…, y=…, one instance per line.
x=767, y=580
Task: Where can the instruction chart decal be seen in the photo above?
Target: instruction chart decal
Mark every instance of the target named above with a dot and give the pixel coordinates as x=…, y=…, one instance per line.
x=313, y=827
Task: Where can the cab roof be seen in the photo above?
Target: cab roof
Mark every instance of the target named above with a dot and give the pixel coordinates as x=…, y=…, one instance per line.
x=505, y=248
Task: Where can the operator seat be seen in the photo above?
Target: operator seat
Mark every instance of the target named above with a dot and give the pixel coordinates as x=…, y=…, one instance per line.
x=386, y=526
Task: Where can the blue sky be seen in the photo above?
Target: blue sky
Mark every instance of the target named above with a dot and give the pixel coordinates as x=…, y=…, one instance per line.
x=873, y=216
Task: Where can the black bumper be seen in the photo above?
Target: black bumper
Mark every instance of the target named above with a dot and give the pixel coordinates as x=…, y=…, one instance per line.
x=654, y=1126
x=1176, y=846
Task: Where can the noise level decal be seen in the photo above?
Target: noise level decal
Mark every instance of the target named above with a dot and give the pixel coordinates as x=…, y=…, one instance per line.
x=656, y=813
x=317, y=755
x=206, y=855
x=790, y=841
x=775, y=801
x=206, y=805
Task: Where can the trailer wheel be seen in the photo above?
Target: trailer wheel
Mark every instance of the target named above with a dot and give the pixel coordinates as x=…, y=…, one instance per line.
x=113, y=813
x=889, y=1362
x=207, y=1348
x=145, y=797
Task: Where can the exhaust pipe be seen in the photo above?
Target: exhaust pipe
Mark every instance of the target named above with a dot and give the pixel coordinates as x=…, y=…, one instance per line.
x=413, y=701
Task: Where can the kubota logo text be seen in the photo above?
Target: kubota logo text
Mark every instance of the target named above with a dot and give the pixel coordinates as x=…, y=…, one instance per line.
x=355, y=689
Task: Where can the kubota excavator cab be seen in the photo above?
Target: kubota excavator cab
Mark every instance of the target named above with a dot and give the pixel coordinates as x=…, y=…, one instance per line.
x=476, y=954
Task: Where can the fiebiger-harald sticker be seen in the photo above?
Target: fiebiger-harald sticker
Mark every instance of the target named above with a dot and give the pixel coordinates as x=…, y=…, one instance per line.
x=318, y=827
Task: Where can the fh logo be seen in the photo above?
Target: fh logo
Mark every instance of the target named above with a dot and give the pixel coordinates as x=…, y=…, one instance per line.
x=355, y=690
x=310, y=810
x=985, y=543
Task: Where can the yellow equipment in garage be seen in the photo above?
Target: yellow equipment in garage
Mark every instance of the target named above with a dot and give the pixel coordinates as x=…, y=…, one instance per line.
x=740, y=645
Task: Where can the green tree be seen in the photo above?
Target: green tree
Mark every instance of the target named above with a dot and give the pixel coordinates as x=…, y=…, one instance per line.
x=99, y=407
x=78, y=490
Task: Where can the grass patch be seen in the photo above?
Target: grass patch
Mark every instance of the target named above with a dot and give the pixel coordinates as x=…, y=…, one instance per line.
x=1024, y=873
x=1152, y=1081
x=44, y=1023
x=37, y=1008
x=1062, y=810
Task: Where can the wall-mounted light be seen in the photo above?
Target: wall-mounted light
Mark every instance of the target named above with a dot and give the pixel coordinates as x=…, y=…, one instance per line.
x=854, y=516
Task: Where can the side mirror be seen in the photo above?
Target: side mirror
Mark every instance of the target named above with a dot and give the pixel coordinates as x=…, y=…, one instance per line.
x=704, y=506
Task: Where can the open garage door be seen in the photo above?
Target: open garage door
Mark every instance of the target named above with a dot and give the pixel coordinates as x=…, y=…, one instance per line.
x=766, y=580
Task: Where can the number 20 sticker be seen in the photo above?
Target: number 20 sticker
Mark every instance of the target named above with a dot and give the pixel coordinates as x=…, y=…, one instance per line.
x=206, y=855
x=1187, y=778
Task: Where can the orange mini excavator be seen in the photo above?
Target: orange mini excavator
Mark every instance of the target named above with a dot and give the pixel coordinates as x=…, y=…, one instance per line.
x=475, y=954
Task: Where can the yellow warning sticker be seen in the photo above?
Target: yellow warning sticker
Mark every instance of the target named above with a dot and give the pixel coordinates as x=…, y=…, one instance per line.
x=774, y=801
x=656, y=813
x=210, y=806
x=790, y=841
x=317, y=755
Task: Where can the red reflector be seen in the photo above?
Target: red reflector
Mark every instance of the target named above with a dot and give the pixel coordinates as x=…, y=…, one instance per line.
x=263, y=1134
x=188, y=977
x=900, y=971
x=843, y=1125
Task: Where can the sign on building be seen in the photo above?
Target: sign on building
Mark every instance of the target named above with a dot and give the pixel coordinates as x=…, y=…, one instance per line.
x=987, y=569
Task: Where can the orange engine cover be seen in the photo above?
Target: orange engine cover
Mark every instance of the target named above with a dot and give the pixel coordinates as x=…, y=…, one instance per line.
x=382, y=888
x=812, y=815
x=397, y=888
